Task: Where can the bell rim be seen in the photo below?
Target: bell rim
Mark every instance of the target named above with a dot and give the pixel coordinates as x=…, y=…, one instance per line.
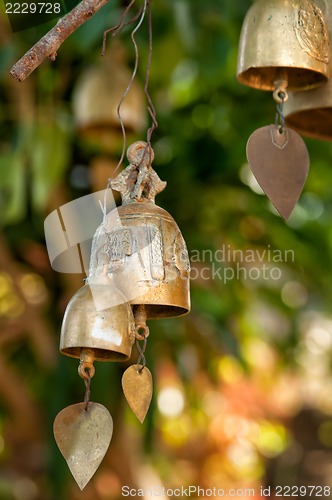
x=247, y=77
x=293, y=120
x=163, y=311
x=262, y=45
x=75, y=352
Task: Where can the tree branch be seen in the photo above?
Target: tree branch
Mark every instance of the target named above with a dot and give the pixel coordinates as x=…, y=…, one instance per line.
x=49, y=43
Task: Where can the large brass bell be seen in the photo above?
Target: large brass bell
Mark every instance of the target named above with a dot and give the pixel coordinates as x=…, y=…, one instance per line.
x=98, y=324
x=283, y=40
x=140, y=245
x=310, y=113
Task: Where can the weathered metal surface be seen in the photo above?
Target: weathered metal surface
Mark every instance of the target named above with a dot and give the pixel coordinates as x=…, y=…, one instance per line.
x=83, y=435
x=280, y=163
x=98, y=317
x=283, y=39
x=140, y=245
x=137, y=387
x=310, y=113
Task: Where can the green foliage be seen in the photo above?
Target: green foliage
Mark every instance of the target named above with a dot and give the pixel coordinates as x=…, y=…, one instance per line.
x=13, y=188
x=49, y=160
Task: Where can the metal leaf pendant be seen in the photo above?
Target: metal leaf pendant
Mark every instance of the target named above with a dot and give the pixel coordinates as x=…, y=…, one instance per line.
x=280, y=163
x=83, y=437
x=137, y=388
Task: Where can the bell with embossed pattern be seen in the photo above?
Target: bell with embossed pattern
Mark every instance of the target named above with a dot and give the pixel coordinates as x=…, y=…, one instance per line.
x=284, y=40
x=284, y=45
x=140, y=244
x=310, y=113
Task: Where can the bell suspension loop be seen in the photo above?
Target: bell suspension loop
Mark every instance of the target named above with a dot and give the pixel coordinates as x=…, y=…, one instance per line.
x=86, y=371
x=280, y=96
x=142, y=333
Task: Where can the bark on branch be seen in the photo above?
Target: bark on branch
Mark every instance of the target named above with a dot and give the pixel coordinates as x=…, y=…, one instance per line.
x=49, y=43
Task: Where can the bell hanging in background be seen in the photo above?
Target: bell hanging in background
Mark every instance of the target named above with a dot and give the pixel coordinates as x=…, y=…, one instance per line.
x=310, y=113
x=140, y=244
x=96, y=97
x=283, y=40
x=283, y=45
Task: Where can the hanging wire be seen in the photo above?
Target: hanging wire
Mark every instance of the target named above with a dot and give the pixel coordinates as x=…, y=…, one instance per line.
x=280, y=118
x=141, y=357
x=151, y=108
x=128, y=87
x=280, y=95
x=87, y=382
x=117, y=29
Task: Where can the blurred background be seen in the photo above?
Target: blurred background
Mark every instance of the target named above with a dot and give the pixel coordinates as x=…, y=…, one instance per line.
x=242, y=385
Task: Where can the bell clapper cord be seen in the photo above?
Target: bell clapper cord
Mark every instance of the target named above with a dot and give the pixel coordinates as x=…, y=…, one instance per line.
x=142, y=333
x=86, y=371
x=280, y=96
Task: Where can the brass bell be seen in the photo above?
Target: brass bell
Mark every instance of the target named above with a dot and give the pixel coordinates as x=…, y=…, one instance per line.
x=283, y=40
x=140, y=245
x=310, y=113
x=98, y=323
x=96, y=97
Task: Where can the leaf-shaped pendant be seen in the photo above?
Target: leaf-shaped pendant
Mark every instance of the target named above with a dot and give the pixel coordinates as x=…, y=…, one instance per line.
x=137, y=388
x=280, y=163
x=83, y=435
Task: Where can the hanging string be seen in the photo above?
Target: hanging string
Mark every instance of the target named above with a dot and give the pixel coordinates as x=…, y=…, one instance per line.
x=280, y=96
x=128, y=88
x=280, y=118
x=87, y=382
x=117, y=29
x=151, y=108
x=141, y=351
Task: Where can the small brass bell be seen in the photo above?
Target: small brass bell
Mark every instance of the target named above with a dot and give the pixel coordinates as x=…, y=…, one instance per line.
x=98, y=322
x=98, y=325
x=310, y=113
x=283, y=40
x=140, y=245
